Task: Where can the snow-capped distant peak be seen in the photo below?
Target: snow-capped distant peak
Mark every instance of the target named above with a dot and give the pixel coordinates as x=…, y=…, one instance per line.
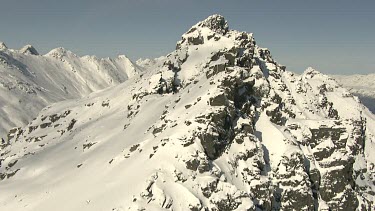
x=310, y=69
x=28, y=82
x=311, y=72
x=122, y=56
x=60, y=52
x=3, y=46
x=90, y=57
x=29, y=49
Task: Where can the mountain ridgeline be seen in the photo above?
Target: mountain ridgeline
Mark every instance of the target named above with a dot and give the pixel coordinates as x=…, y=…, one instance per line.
x=29, y=81
x=216, y=124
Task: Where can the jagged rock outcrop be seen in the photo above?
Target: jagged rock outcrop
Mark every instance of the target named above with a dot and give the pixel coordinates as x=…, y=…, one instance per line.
x=217, y=124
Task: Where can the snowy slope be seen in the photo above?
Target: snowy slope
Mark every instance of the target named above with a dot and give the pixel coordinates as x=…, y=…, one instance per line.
x=29, y=81
x=362, y=86
x=217, y=124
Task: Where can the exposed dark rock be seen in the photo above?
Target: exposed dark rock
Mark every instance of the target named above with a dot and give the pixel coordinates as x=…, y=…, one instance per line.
x=134, y=147
x=196, y=40
x=192, y=164
x=276, y=116
x=159, y=129
x=323, y=133
x=46, y=124
x=219, y=100
x=54, y=117
x=88, y=145
x=219, y=134
x=216, y=23
x=215, y=70
x=208, y=189
x=71, y=124
x=32, y=128
x=105, y=103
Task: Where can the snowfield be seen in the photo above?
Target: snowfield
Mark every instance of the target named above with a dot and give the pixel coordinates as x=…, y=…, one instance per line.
x=216, y=124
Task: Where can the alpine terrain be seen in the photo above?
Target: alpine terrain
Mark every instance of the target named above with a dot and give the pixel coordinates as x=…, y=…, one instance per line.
x=29, y=81
x=216, y=124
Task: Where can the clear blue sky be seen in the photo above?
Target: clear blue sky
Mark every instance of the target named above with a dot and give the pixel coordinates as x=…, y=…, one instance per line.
x=334, y=36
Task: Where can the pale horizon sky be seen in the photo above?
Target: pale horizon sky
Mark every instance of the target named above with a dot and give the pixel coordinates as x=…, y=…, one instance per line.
x=335, y=37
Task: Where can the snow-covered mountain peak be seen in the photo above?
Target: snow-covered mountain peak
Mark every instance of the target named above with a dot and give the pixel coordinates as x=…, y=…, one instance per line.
x=215, y=26
x=29, y=49
x=3, y=46
x=60, y=52
x=217, y=124
x=123, y=56
x=311, y=71
x=216, y=23
x=90, y=57
x=206, y=50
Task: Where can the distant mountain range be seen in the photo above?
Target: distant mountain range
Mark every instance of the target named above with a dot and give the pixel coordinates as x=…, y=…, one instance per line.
x=362, y=86
x=30, y=82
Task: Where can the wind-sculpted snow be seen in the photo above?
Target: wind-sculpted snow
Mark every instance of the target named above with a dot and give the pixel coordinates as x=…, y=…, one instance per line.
x=215, y=125
x=29, y=81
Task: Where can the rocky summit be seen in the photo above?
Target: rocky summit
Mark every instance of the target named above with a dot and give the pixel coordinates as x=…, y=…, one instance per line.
x=216, y=124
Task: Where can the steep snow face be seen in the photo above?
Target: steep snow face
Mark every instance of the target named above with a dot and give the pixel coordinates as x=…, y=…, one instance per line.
x=362, y=86
x=220, y=129
x=29, y=81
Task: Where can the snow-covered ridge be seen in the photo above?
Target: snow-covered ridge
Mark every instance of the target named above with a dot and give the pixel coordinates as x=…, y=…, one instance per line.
x=217, y=124
x=29, y=81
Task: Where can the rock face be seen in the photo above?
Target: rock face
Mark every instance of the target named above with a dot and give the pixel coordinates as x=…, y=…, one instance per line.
x=217, y=124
